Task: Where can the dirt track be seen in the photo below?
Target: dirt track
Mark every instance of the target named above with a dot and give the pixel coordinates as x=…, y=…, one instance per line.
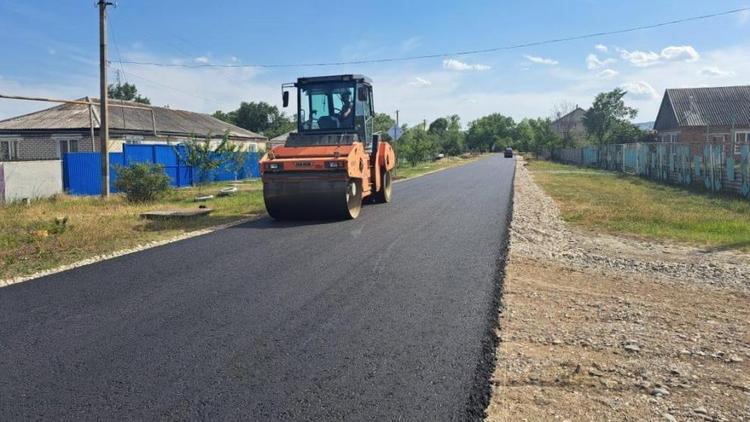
x=583, y=339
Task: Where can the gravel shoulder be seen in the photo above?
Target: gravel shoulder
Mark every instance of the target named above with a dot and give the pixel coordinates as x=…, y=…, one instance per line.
x=600, y=327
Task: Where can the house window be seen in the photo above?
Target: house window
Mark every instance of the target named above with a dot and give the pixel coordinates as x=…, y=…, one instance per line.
x=740, y=138
x=68, y=145
x=670, y=137
x=8, y=150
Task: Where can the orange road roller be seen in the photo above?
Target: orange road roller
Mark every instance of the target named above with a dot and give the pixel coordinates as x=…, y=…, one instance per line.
x=334, y=161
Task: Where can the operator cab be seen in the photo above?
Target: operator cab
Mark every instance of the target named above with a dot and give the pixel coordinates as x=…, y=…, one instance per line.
x=333, y=105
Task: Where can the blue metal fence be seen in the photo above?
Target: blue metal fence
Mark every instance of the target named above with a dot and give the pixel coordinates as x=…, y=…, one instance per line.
x=82, y=170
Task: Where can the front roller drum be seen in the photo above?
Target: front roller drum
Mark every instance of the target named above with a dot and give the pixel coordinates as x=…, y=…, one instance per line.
x=312, y=196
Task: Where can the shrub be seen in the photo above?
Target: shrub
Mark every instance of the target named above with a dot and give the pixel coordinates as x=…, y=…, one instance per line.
x=142, y=182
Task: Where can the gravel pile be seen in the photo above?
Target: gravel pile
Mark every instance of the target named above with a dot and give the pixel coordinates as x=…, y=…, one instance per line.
x=538, y=231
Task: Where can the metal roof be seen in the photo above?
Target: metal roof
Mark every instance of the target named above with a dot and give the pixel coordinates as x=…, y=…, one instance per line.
x=168, y=121
x=717, y=106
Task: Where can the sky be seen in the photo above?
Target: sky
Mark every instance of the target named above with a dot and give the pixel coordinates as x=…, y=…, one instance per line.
x=50, y=48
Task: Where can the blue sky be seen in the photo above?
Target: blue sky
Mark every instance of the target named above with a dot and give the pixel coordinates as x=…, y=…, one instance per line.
x=50, y=48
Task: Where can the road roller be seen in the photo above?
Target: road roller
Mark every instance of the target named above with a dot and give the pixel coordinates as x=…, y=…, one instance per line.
x=334, y=161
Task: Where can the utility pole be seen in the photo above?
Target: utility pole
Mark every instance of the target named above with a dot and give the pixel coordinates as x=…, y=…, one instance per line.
x=397, y=119
x=103, y=94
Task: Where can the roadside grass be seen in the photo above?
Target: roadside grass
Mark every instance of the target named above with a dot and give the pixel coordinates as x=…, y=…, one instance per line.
x=31, y=241
x=406, y=171
x=629, y=205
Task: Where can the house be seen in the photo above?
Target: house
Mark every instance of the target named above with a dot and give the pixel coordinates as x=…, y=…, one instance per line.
x=699, y=115
x=570, y=126
x=279, y=140
x=74, y=127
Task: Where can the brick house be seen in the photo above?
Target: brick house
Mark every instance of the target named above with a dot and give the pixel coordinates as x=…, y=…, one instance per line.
x=74, y=127
x=700, y=115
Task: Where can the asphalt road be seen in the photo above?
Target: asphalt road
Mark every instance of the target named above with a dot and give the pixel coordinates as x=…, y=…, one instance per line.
x=386, y=317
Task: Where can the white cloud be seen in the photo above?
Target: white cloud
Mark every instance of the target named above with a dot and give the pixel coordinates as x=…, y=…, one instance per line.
x=669, y=54
x=594, y=62
x=640, y=58
x=607, y=74
x=640, y=90
x=419, y=81
x=715, y=71
x=541, y=60
x=680, y=52
x=601, y=47
x=202, y=59
x=744, y=17
x=452, y=64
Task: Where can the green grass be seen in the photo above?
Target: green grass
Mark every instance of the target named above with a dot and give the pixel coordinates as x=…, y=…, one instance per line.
x=623, y=204
x=30, y=241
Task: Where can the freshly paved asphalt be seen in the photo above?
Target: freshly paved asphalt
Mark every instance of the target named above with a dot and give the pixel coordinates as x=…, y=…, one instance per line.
x=387, y=317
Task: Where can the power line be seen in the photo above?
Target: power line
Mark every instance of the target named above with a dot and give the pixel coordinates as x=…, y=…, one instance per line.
x=454, y=53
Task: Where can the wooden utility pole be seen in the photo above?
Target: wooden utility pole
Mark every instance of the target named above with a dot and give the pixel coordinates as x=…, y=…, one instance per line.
x=103, y=94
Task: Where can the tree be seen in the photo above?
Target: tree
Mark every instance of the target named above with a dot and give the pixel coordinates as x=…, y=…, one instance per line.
x=203, y=156
x=439, y=126
x=542, y=135
x=608, y=112
x=488, y=131
x=127, y=92
x=230, y=117
x=416, y=145
x=523, y=136
x=382, y=122
x=281, y=124
x=259, y=117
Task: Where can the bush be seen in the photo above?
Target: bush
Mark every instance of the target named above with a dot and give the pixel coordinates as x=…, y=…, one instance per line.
x=142, y=182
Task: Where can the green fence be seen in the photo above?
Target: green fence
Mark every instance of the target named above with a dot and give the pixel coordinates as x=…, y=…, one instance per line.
x=714, y=167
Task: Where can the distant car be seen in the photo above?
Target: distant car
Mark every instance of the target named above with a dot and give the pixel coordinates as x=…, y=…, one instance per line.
x=509, y=152
x=439, y=157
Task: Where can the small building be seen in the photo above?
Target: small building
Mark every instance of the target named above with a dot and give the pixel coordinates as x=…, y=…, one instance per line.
x=705, y=115
x=570, y=126
x=74, y=127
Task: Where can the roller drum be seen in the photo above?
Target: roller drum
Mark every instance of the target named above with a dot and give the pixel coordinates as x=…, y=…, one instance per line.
x=312, y=196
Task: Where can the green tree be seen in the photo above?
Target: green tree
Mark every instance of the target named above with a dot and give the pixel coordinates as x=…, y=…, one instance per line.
x=488, y=131
x=203, y=156
x=382, y=122
x=542, y=135
x=281, y=124
x=523, y=136
x=452, y=142
x=416, y=145
x=439, y=126
x=608, y=113
x=230, y=117
x=127, y=92
x=260, y=118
